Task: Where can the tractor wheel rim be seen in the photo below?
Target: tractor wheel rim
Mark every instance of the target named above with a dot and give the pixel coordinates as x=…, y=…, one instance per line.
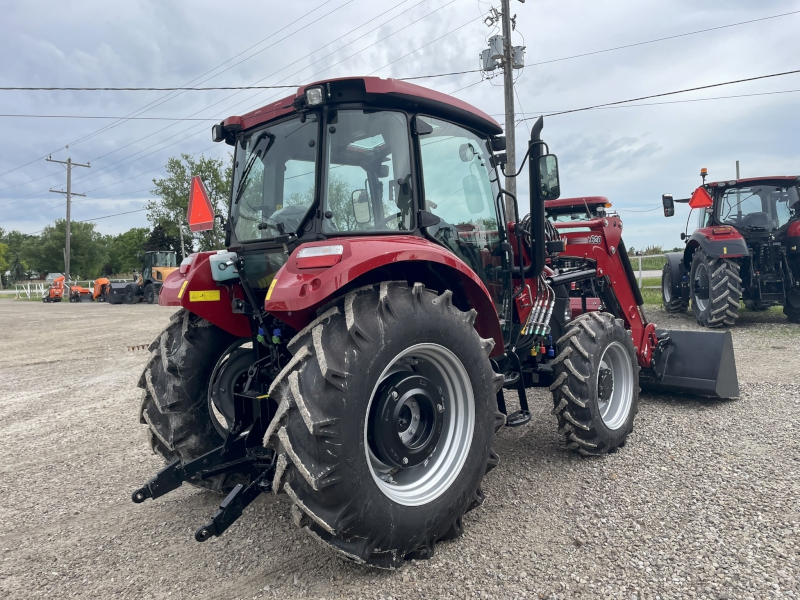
x=701, y=285
x=220, y=405
x=422, y=483
x=666, y=287
x=615, y=404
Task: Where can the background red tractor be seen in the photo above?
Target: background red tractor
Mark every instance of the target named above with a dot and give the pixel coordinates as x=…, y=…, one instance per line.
x=351, y=346
x=746, y=247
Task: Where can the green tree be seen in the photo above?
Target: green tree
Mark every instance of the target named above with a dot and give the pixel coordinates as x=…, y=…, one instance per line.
x=169, y=209
x=45, y=254
x=123, y=251
x=4, y=263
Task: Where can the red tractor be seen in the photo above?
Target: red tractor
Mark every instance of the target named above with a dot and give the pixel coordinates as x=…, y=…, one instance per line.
x=351, y=346
x=746, y=247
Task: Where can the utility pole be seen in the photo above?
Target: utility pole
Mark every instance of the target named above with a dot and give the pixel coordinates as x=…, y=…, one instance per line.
x=68, y=193
x=501, y=52
x=508, y=93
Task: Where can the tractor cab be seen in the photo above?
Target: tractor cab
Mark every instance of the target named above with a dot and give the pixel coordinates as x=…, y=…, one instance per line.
x=353, y=161
x=157, y=265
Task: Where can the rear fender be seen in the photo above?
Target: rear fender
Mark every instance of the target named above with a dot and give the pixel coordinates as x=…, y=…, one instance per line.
x=725, y=245
x=677, y=270
x=296, y=294
x=196, y=291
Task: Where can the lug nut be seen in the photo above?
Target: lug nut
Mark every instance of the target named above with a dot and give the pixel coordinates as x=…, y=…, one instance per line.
x=405, y=460
x=394, y=394
x=440, y=408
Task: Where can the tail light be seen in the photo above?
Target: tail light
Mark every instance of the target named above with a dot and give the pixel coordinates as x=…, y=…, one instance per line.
x=722, y=230
x=186, y=264
x=317, y=257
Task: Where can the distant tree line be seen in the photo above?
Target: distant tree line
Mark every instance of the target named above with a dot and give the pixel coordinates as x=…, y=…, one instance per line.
x=94, y=254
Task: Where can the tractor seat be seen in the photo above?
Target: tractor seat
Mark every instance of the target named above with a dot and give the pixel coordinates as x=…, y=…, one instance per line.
x=758, y=219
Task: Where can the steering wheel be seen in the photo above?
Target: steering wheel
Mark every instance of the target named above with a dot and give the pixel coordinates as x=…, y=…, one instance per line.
x=383, y=222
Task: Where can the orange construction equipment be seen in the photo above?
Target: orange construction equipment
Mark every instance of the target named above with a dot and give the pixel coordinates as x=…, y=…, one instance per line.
x=79, y=293
x=55, y=292
x=101, y=288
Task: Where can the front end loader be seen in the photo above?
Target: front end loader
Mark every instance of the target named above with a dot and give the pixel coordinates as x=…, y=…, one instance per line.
x=156, y=267
x=351, y=345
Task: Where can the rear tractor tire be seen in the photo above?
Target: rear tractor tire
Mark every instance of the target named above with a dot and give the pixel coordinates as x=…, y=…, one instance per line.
x=386, y=421
x=176, y=383
x=716, y=289
x=671, y=302
x=596, y=387
x=792, y=307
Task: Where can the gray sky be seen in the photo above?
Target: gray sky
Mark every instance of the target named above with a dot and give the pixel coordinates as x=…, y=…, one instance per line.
x=631, y=155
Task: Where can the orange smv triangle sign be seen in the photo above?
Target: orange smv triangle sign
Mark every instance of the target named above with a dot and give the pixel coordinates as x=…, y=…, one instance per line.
x=201, y=213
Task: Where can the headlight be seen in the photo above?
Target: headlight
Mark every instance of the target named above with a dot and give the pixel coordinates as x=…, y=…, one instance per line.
x=315, y=95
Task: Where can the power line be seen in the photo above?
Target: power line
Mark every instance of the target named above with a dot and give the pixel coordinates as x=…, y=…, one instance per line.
x=261, y=102
x=130, y=212
x=697, y=99
x=104, y=170
x=108, y=117
x=140, y=110
x=138, y=89
x=671, y=37
x=683, y=91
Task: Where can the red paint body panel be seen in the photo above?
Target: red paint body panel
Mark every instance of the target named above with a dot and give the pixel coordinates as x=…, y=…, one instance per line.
x=576, y=305
x=299, y=292
x=732, y=236
x=794, y=229
x=600, y=245
x=198, y=278
x=373, y=85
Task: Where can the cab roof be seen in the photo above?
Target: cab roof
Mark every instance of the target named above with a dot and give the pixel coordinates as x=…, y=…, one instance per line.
x=795, y=178
x=380, y=93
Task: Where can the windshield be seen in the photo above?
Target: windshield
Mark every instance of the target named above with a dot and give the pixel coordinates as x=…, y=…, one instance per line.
x=759, y=207
x=369, y=172
x=273, y=179
x=163, y=259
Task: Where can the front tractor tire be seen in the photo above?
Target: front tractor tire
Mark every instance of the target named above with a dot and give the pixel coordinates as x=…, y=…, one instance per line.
x=596, y=387
x=671, y=302
x=175, y=401
x=716, y=289
x=150, y=295
x=386, y=421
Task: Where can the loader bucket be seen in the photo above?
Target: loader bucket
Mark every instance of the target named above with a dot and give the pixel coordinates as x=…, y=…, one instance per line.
x=699, y=363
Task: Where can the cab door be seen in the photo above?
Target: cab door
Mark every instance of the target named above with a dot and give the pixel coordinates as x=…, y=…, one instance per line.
x=460, y=187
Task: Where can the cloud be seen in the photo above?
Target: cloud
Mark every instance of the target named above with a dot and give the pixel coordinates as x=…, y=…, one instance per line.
x=632, y=155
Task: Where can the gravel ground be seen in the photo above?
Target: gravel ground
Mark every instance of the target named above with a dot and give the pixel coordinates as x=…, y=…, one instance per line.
x=701, y=503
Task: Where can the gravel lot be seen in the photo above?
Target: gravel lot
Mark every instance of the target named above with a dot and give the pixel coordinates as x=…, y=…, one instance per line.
x=702, y=502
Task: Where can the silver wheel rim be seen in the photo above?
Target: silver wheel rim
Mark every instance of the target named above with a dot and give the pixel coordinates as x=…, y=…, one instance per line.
x=614, y=411
x=702, y=304
x=425, y=482
x=666, y=285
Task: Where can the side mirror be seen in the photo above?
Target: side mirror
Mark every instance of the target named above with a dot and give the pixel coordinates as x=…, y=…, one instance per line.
x=683, y=235
x=549, y=185
x=498, y=143
x=669, y=205
x=473, y=194
x=361, y=207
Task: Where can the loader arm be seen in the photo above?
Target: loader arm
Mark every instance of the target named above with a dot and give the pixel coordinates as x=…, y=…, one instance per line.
x=695, y=362
x=600, y=242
